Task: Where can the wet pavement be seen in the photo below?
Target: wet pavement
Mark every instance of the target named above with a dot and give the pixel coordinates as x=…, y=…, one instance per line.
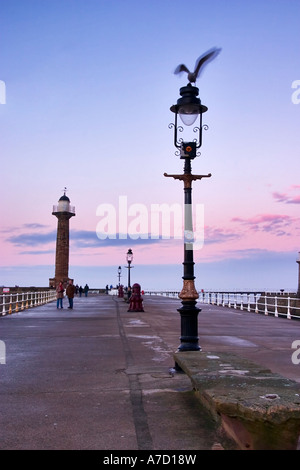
x=100, y=378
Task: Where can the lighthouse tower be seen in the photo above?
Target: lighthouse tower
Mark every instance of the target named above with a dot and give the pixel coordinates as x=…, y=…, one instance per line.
x=63, y=211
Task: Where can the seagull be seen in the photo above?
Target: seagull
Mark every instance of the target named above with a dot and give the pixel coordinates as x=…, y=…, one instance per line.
x=200, y=62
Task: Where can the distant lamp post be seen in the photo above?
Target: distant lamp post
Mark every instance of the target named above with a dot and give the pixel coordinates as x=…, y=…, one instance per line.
x=119, y=274
x=189, y=108
x=129, y=258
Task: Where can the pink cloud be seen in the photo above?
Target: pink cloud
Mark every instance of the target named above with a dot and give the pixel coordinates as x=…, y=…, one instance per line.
x=219, y=235
x=273, y=223
x=280, y=197
x=294, y=200
x=286, y=197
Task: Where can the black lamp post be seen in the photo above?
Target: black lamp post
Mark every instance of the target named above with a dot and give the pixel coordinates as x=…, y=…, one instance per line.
x=189, y=108
x=129, y=258
x=119, y=274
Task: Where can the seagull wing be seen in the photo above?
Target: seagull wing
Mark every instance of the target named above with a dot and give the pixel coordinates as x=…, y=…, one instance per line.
x=205, y=58
x=181, y=68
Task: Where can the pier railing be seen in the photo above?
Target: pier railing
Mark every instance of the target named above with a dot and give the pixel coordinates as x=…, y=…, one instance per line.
x=18, y=301
x=277, y=304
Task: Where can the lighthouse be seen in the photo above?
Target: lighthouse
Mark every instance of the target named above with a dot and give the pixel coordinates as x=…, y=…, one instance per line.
x=63, y=211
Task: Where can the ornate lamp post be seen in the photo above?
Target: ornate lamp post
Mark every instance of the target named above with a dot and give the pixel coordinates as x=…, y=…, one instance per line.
x=189, y=108
x=129, y=258
x=119, y=274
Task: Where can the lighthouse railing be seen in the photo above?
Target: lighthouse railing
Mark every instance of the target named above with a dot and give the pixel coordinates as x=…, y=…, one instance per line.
x=70, y=208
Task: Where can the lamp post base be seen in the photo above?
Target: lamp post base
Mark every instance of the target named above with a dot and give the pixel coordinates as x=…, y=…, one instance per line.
x=189, y=328
x=189, y=317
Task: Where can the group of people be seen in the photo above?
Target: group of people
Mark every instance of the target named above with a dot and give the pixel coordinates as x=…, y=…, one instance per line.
x=71, y=291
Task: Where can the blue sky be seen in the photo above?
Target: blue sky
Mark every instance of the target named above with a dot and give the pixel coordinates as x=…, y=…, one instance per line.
x=89, y=85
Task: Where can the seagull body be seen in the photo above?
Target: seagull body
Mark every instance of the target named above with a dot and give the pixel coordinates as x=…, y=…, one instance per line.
x=200, y=62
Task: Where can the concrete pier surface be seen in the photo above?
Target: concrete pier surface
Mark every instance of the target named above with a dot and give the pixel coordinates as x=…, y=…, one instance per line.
x=101, y=378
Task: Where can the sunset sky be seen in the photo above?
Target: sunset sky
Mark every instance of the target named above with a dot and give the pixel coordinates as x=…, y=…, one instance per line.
x=89, y=85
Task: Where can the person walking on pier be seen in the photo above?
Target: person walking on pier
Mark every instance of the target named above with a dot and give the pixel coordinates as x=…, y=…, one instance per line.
x=60, y=295
x=71, y=289
x=86, y=290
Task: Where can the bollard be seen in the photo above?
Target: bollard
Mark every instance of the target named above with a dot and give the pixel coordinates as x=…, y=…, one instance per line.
x=136, y=301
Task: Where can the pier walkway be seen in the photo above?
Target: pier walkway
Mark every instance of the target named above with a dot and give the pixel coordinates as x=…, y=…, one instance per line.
x=100, y=378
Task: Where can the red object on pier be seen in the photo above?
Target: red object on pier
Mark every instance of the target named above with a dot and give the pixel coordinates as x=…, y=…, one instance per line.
x=136, y=300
